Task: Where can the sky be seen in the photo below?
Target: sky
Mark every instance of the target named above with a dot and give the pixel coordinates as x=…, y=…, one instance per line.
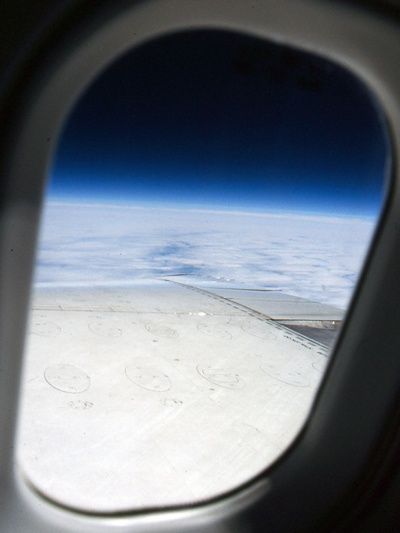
x=218, y=119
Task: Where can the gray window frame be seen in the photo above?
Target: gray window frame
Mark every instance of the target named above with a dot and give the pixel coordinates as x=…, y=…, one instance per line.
x=341, y=442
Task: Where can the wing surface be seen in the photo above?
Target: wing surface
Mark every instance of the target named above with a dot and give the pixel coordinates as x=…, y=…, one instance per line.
x=162, y=393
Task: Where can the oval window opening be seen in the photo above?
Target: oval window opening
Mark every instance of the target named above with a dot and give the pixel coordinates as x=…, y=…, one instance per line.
x=208, y=212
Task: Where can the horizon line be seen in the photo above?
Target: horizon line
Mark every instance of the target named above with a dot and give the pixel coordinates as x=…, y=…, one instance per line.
x=217, y=209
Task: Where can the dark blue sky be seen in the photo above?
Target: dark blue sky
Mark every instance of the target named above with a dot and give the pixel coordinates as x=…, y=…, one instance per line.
x=224, y=120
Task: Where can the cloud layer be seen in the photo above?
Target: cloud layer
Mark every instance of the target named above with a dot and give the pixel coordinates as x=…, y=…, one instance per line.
x=316, y=257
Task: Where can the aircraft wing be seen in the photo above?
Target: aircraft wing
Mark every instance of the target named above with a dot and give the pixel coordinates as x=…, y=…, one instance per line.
x=164, y=392
x=319, y=322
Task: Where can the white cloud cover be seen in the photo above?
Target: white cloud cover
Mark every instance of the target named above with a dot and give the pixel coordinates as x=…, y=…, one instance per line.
x=316, y=257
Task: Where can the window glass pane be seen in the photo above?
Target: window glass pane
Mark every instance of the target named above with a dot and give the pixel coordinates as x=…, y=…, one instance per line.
x=209, y=208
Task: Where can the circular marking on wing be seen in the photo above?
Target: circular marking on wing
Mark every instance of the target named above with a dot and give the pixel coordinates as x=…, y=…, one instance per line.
x=67, y=378
x=214, y=330
x=288, y=374
x=43, y=328
x=161, y=331
x=224, y=378
x=258, y=329
x=104, y=329
x=148, y=378
x=320, y=364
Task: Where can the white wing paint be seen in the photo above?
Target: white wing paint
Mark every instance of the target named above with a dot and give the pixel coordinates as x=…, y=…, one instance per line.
x=164, y=393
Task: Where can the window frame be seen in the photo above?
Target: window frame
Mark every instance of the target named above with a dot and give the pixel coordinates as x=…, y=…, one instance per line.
x=324, y=473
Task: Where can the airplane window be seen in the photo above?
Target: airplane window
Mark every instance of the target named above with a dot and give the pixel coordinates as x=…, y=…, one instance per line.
x=207, y=215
